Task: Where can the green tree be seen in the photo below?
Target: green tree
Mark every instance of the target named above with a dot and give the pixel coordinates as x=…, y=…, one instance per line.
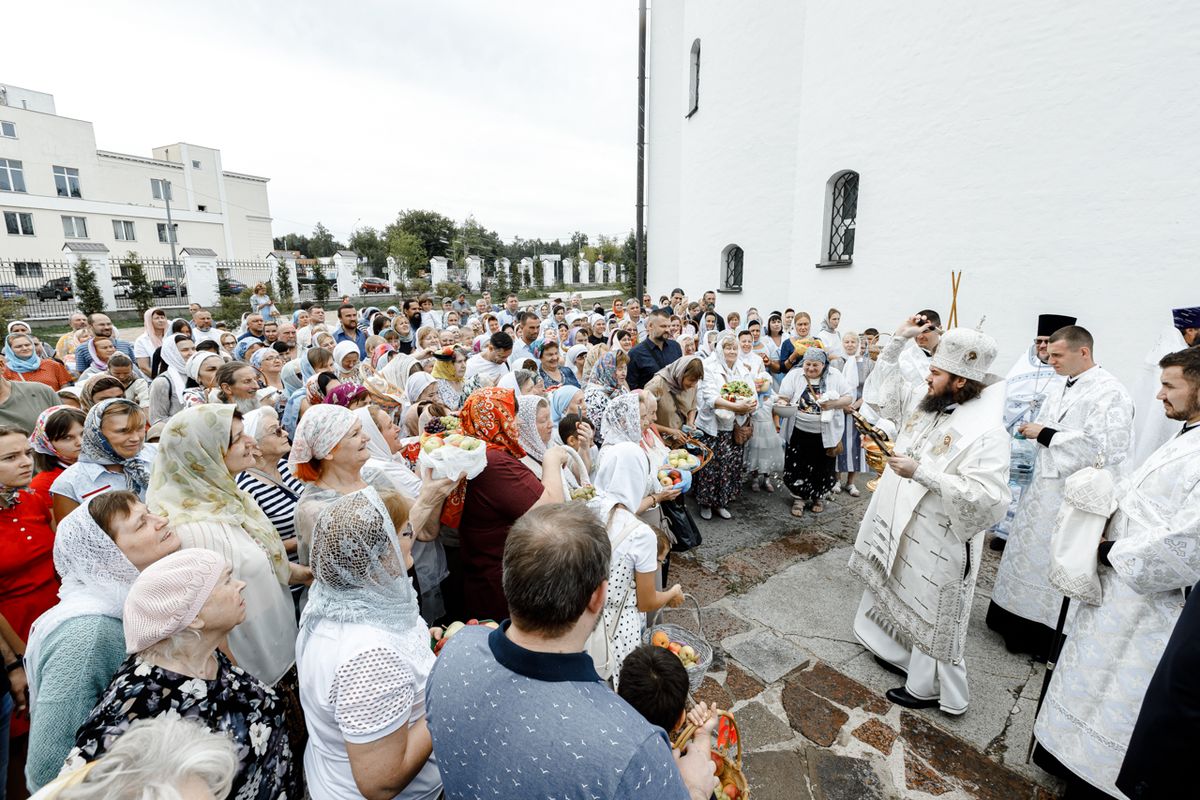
x=292, y=241
x=321, y=283
x=87, y=291
x=370, y=245
x=139, y=286
x=578, y=242
x=408, y=251
x=322, y=244
x=10, y=309
x=435, y=231
x=628, y=257
x=283, y=287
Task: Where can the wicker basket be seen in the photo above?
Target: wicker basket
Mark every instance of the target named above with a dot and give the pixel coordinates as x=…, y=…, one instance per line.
x=698, y=449
x=677, y=633
x=729, y=747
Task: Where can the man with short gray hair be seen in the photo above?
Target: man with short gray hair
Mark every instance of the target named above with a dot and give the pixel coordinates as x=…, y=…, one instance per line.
x=531, y=681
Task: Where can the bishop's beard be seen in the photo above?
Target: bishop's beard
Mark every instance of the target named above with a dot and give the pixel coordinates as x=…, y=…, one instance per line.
x=937, y=403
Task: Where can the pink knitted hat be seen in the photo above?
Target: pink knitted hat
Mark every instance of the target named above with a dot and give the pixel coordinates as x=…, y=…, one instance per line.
x=168, y=595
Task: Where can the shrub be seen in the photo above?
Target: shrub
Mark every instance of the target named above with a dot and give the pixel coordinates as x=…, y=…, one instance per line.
x=139, y=286
x=87, y=291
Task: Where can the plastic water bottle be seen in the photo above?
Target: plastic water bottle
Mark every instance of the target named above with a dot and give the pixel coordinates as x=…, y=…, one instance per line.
x=1023, y=458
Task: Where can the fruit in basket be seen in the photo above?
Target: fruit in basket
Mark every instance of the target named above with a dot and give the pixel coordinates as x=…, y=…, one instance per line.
x=682, y=459
x=454, y=439
x=660, y=639
x=670, y=477
x=449, y=423
x=584, y=493
x=470, y=443
x=431, y=444
x=675, y=647
x=687, y=653
x=731, y=791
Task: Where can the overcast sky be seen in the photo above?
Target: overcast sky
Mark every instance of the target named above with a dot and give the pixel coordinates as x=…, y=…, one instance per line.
x=520, y=112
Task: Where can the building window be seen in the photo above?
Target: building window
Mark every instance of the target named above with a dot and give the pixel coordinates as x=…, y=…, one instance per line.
x=74, y=227
x=123, y=230
x=18, y=224
x=12, y=176
x=202, y=208
x=195, y=164
x=161, y=189
x=27, y=269
x=7, y=129
x=841, y=205
x=66, y=181
x=694, y=79
x=731, y=268
x=162, y=233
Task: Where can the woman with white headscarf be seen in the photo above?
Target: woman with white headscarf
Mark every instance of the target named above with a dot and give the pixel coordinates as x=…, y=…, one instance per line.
x=202, y=371
x=365, y=658
x=820, y=397
x=167, y=390
x=75, y=648
x=623, y=482
x=420, y=390
x=345, y=362
x=720, y=482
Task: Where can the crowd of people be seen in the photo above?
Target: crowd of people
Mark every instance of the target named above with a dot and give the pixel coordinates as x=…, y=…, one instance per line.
x=224, y=536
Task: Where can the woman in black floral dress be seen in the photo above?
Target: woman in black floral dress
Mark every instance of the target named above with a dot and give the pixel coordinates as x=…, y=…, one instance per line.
x=178, y=610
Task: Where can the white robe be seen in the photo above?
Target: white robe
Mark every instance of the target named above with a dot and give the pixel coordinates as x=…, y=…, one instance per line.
x=1113, y=649
x=919, y=546
x=1151, y=424
x=1093, y=417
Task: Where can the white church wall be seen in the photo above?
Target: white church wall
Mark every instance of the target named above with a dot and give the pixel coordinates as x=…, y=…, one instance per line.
x=1042, y=150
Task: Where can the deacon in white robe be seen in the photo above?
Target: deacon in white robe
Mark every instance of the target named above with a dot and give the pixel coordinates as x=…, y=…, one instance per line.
x=920, y=542
x=1150, y=554
x=1154, y=428
x=1087, y=419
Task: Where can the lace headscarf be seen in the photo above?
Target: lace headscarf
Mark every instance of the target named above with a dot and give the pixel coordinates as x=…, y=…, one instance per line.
x=527, y=432
x=95, y=574
x=190, y=482
x=358, y=567
x=622, y=421
x=97, y=450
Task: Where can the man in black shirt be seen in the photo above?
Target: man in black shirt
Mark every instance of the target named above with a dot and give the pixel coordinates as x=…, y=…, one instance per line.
x=654, y=352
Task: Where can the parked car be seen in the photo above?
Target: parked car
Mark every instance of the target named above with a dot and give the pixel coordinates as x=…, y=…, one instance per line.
x=10, y=291
x=121, y=287
x=168, y=288
x=374, y=285
x=57, y=289
x=231, y=286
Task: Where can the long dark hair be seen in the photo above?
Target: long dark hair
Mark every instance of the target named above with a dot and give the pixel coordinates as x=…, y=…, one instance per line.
x=57, y=427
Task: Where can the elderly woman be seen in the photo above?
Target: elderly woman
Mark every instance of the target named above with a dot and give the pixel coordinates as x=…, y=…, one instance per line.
x=202, y=371
x=816, y=429
x=167, y=390
x=554, y=373
x=345, y=361
x=75, y=648
x=487, y=506
x=623, y=482
x=228, y=344
x=155, y=320
x=606, y=382
x=113, y=455
x=793, y=350
x=246, y=347
x=193, y=485
x=269, y=364
x=449, y=370
x=364, y=653
x=523, y=382
x=674, y=387
x=179, y=611
x=268, y=481
x=237, y=385
x=574, y=359
x=24, y=363
x=720, y=483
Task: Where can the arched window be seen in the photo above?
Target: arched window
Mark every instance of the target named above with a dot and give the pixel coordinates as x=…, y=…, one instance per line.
x=731, y=268
x=694, y=80
x=841, y=210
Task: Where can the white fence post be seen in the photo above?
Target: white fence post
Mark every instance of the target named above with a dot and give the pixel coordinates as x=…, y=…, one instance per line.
x=568, y=267
x=200, y=275
x=97, y=258
x=438, y=270
x=547, y=273
x=347, y=281
x=585, y=270
x=474, y=273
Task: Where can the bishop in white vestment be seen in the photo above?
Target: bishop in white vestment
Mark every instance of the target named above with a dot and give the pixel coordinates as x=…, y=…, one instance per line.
x=1087, y=418
x=919, y=546
x=1150, y=554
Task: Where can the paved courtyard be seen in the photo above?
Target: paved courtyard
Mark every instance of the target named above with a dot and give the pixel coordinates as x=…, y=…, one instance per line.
x=778, y=605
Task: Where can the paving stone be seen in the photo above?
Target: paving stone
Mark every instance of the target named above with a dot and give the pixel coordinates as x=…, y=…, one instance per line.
x=920, y=776
x=837, y=777
x=833, y=685
x=758, y=726
x=717, y=623
x=740, y=684
x=697, y=580
x=774, y=556
x=712, y=693
x=741, y=573
x=777, y=775
x=815, y=717
x=768, y=656
x=954, y=759
x=876, y=734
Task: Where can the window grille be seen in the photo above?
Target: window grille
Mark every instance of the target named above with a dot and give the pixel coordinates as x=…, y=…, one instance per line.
x=731, y=272
x=843, y=210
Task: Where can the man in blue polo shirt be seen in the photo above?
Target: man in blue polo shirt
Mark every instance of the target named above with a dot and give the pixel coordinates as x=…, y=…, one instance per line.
x=654, y=352
x=349, y=330
x=520, y=711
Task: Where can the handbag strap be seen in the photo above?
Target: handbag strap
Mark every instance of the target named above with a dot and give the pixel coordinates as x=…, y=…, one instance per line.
x=629, y=529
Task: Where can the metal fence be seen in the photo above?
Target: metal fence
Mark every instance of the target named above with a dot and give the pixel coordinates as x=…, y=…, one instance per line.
x=238, y=278
x=166, y=280
x=37, y=289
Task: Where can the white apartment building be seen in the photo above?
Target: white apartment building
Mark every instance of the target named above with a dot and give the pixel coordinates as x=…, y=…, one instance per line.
x=57, y=188
x=815, y=153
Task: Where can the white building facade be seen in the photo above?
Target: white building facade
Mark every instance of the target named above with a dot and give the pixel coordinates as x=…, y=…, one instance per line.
x=855, y=154
x=57, y=188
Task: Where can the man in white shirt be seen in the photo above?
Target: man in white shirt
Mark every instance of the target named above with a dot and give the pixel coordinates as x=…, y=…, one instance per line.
x=316, y=323
x=527, y=328
x=202, y=327
x=492, y=361
x=508, y=315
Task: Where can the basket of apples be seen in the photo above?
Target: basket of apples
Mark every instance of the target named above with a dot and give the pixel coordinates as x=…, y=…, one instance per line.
x=453, y=455
x=439, y=636
x=672, y=478
x=690, y=646
x=726, y=756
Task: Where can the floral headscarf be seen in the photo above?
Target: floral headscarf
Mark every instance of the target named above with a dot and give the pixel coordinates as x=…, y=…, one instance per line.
x=38, y=440
x=604, y=374
x=527, y=432
x=190, y=482
x=344, y=394
x=239, y=349
x=319, y=431
x=380, y=351
x=97, y=450
x=489, y=414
